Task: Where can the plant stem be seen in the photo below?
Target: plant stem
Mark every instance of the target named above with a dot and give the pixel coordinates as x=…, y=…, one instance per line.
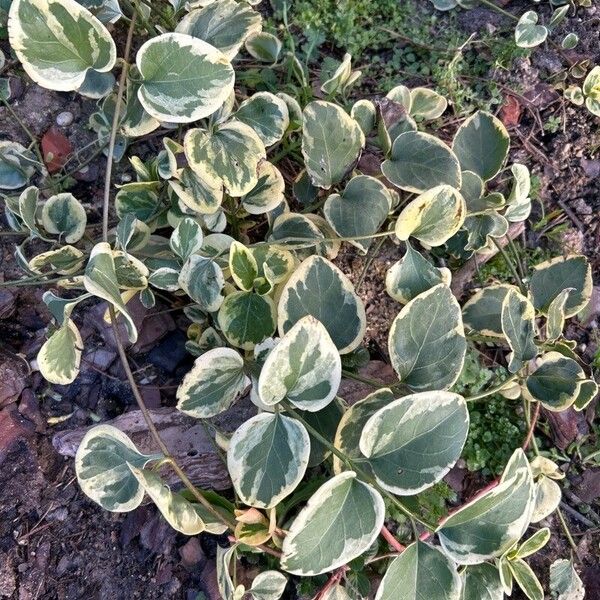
x=567, y=531
x=531, y=423
x=26, y=129
x=491, y=391
x=510, y=265
x=362, y=474
x=495, y=7
x=372, y=382
x=391, y=540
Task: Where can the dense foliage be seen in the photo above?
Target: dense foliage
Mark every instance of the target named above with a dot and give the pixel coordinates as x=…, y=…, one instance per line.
x=250, y=240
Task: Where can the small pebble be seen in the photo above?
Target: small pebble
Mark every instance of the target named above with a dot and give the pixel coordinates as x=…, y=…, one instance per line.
x=64, y=119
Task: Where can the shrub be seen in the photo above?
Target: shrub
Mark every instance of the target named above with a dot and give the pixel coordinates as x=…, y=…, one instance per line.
x=274, y=317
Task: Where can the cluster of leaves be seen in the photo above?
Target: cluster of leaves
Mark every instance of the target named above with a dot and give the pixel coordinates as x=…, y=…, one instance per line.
x=275, y=319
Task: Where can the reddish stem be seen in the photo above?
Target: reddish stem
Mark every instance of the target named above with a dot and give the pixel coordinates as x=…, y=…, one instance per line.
x=333, y=580
x=391, y=540
x=534, y=419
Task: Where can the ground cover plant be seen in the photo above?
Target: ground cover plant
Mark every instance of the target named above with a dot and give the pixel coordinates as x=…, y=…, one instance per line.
x=262, y=177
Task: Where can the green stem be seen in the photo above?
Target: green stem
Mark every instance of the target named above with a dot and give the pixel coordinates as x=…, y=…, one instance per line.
x=26, y=129
x=495, y=7
x=567, y=531
x=515, y=253
x=352, y=465
x=491, y=391
x=368, y=264
x=510, y=266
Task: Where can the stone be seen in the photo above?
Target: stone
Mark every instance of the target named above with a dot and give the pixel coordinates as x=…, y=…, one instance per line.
x=191, y=553
x=64, y=119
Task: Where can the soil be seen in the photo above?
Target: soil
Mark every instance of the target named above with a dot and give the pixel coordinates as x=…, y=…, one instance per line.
x=54, y=542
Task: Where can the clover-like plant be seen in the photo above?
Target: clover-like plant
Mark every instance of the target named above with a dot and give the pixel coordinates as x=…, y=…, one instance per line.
x=250, y=239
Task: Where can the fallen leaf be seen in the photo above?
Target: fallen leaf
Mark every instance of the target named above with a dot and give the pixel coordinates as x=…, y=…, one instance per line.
x=56, y=149
x=510, y=112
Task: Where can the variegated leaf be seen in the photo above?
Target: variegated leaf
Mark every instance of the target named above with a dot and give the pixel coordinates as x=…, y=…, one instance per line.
x=587, y=392
x=17, y=165
x=202, y=280
x=551, y=277
x=242, y=265
x=247, y=318
x=100, y=279
x=266, y=114
x=320, y=289
x=426, y=104
x=341, y=520
x=432, y=217
x=414, y=441
x=412, y=275
x=565, y=583
x=298, y=232
x=483, y=311
x=186, y=238
x=427, y=344
x=518, y=326
x=304, y=368
x=102, y=467
x=350, y=427
x=267, y=458
x=331, y=143
x=225, y=25
x=202, y=194
x=421, y=571
x=420, y=161
x=555, y=321
x=268, y=585
x=60, y=355
x=263, y=46
x=215, y=381
x=181, y=514
x=58, y=41
x=365, y=114
x=184, y=78
x=65, y=260
x=491, y=524
x=526, y=579
x=268, y=193
x=481, y=145
x=359, y=210
x=481, y=582
x=556, y=382
x=230, y=153
x=63, y=215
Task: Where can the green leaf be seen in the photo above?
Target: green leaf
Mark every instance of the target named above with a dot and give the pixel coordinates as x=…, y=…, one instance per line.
x=266, y=114
x=551, y=277
x=58, y=41
x=230, y=154
x=528, y=33
x=412, y=275
x=350, y=427
x=267, y=458
x=425, y=104
x=102, y=467
x=186, y=238
x=518, y=326
x=556, y=382
x=202, y=280
x=481, y=145
x=360, y=210
x=565, y=583
x=225, y=25
x=263, y=46
x=414, y=441
x=491, y=524
x=246, y=319
x=100, y=279
x=341, y=520
x=64, y=215
x=432, y=217
x=481, y=582
x=184, y=78
x=304, y=368
x=331, y=143
x=320, y=289
x=526, y=579
x=421, y=571
x=242, y=265
x=427, y=344
x=215, y=381
x=268, y=585
x=60, y=356
x=483, y=311
x=97, y=85
x=268, y=193
x=420, y=161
